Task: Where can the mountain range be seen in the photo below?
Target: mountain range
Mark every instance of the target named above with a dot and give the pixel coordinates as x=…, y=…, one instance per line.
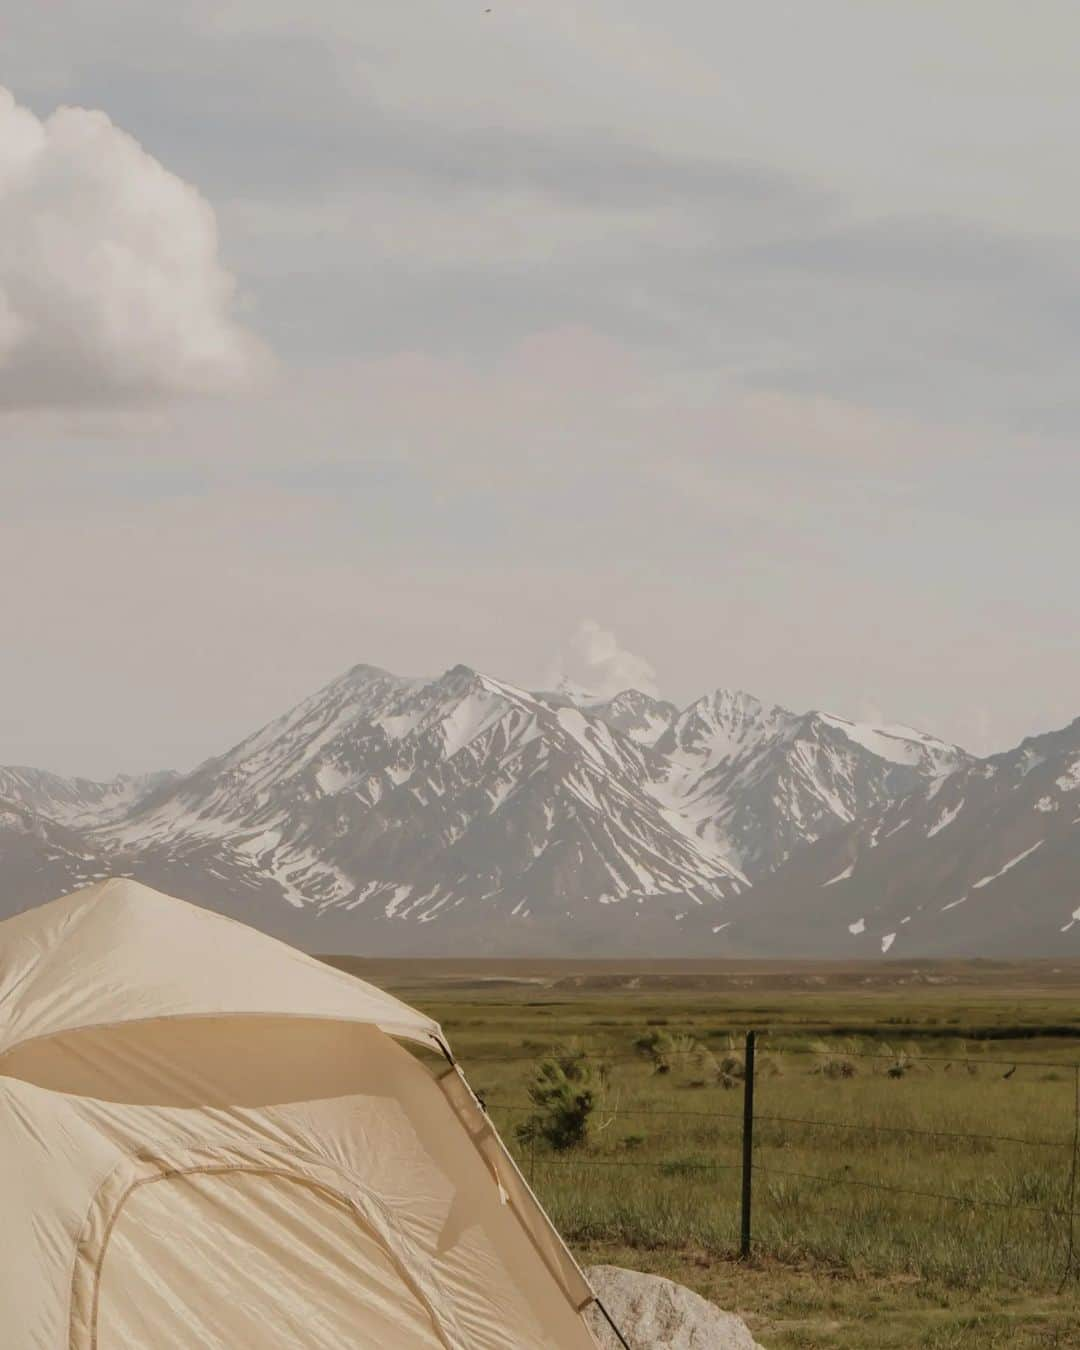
x=394, y=815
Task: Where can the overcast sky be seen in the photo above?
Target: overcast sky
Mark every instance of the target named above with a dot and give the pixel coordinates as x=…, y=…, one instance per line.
x=695, y=344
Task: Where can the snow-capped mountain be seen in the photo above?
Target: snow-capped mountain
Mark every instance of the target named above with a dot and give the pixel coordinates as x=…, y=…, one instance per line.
x=758, y=782
x=463, y=805
x=640, y=716
x=985, y=860
x=40, y=857
x=386, y=814
x=78, y=802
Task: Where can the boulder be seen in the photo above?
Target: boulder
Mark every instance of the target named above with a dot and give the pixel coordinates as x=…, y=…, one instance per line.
x=657, y=1314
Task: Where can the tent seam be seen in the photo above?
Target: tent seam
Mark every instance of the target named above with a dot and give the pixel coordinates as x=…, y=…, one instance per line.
x=78, y=1340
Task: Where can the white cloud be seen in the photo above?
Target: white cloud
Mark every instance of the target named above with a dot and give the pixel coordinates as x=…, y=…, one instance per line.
x=111, y=289
x=595, y=662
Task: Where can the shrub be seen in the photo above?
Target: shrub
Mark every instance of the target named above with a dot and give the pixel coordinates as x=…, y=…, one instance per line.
x=837, y=1066
x=731, y=1066
x=666, y=1050
x=566, y=1089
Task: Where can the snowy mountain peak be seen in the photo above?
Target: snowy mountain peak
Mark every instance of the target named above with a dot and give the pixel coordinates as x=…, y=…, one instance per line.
x=981, y=859
x=78, y=802
x=724, y=723
x=759, y=782
x=443, y=801
x=640, y=716
x=465, y=811
x=899, y=744
x=363, y=674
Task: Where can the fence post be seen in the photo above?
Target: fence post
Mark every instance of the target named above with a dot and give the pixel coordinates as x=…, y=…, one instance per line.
x=747, y=1144
x=1071, y=1185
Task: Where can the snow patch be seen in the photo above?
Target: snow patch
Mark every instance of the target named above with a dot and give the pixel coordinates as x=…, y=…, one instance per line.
x=946, y=818
x=897, y=744
x=840, y=876
x=330, y=779
x=472, y=716
x=401, y=893
x=259, y=844
x=1070, y=779
x=578, y=726
x=1008, y=866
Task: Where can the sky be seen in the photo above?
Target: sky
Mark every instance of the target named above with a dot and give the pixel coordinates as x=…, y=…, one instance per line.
x=701, y=344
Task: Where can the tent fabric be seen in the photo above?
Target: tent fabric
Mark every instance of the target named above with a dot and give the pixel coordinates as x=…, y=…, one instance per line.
x=121, y=952
x=278, y=1299
x=192, y=1166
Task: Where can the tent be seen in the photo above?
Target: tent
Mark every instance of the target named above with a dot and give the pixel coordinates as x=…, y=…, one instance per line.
x=210, y=1140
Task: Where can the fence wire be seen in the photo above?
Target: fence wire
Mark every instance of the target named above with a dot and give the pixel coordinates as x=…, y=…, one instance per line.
x=1067, y=1211
x=907, y=1190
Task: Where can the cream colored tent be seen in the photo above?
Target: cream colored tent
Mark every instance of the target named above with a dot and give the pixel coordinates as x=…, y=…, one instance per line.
x=209, y=1141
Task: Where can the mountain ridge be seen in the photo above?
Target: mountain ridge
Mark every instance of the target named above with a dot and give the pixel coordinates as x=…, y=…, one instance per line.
x=390, y=814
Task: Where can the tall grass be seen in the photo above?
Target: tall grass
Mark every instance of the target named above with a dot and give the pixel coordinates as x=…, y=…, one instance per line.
x=664, y=1173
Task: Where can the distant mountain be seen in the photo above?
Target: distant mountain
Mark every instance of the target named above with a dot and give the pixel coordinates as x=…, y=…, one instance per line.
x=984, y=861
x=463, y=814
x=640, y=716
x=386, y=806
x=758, y=783
x=78, y=802
x=39, y=857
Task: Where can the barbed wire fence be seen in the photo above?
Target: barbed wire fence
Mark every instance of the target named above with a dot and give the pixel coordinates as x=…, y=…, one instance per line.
x=748, y=1162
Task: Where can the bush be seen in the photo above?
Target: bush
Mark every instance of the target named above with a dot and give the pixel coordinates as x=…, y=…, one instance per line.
x=732, y=1066
x=668, y=1051
x=837, y=1066
x=566, y=1089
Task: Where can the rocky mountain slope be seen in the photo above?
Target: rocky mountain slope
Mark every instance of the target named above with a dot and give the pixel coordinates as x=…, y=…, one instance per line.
x=758, y=783
x=78, y=802
x=985, y=861
x=461, y=805
x=386, y=814
x=39, y=857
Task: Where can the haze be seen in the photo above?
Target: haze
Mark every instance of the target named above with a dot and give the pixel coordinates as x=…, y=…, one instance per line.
x=702, y=344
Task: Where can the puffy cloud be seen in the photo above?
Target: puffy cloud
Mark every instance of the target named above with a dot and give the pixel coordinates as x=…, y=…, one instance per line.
x=111, y=289
x=595, y=662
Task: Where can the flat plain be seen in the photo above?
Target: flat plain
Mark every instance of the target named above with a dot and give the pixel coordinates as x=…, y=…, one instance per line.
x=915, y=1138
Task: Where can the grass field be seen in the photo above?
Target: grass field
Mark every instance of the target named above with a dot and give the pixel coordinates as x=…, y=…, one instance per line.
x=974, y=1059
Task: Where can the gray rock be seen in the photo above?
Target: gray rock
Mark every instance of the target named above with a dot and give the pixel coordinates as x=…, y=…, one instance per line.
x=657, y=1314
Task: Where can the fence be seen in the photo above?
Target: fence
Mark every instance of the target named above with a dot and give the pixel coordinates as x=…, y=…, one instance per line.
x=920, y=1193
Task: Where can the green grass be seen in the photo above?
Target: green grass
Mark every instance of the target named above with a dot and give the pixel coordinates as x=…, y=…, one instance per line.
x=663, y=1166
x=835, y=1263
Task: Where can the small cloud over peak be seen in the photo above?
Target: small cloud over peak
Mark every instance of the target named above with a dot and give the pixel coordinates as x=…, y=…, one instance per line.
x=593, y=661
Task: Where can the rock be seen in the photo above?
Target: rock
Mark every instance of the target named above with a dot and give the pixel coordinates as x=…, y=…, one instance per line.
x=657, y=1314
